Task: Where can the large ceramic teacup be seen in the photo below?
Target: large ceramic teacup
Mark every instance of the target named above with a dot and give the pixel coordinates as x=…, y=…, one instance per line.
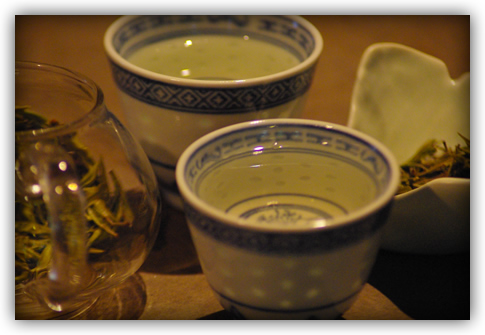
x=181, y=77
x=286, y=214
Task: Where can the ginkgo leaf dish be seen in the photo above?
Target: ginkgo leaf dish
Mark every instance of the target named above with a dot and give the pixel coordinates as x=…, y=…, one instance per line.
x=404, y=98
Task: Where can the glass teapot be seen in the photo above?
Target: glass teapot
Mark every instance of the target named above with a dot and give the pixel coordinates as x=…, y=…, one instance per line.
x=87, y=206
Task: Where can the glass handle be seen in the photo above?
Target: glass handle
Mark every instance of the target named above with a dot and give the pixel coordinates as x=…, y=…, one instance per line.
x=49, y=170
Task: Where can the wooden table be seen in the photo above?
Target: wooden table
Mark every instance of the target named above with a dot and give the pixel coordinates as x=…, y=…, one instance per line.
x=170, y=285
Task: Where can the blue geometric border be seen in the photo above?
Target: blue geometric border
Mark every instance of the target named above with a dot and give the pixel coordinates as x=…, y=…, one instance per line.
x=212, y=100
x=316, y=240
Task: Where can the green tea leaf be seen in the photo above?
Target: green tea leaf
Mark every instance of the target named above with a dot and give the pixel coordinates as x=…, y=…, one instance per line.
x=106, y=209
x=435, y=160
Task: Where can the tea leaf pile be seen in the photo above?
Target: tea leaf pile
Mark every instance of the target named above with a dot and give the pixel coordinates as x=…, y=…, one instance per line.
x=435, y=160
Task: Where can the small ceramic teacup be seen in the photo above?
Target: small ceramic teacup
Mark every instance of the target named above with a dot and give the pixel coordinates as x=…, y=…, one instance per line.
x=286, y=214
x=181, y=77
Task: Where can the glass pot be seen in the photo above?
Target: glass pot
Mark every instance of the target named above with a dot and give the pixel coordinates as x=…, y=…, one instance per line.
x=87, y=206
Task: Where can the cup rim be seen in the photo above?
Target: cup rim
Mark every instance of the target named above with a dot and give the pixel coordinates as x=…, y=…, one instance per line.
x=115, y=57
x=58, y=130
x=210, y=211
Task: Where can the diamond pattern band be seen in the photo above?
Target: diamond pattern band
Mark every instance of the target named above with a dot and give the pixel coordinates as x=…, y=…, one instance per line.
x=212, y=100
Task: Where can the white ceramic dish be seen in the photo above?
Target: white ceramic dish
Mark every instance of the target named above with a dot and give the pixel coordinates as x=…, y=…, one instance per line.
x=403, y=97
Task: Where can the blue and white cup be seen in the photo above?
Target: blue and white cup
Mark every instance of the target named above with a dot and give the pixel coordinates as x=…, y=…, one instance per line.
x=181, y=77
x=286, y=215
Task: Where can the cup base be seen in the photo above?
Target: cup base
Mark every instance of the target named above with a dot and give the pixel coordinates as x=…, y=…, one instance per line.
x=172, y=198
x=28, y=308
x=126, y=301
x=243, y=311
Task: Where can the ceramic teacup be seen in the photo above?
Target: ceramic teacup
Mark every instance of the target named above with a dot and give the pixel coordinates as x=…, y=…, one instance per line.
x=181, y=77
x=286, y=214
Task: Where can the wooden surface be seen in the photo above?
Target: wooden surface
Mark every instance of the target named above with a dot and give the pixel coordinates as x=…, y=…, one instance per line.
x=170, y=284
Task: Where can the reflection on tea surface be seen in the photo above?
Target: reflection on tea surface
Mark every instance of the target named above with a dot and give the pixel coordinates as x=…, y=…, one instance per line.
x=286, y=188
x=214, y=57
